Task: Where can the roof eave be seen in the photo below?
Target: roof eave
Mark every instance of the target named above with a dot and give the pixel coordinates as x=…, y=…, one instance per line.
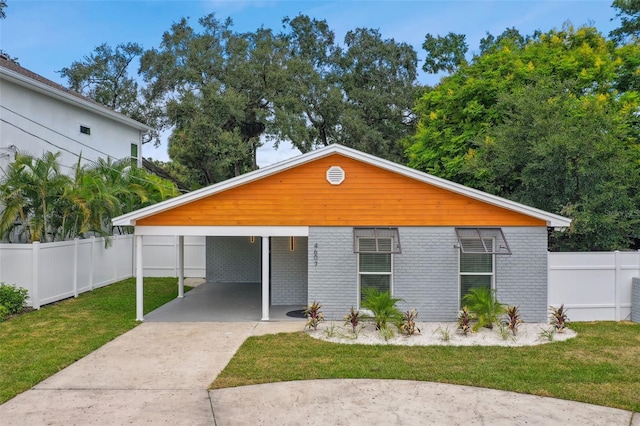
x=71, y=99
x=551, y=219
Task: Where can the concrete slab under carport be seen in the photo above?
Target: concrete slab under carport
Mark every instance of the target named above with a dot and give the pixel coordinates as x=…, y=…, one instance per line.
x=220, y=302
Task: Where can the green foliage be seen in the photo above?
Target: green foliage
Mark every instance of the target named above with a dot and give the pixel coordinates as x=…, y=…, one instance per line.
x=408, y=322
x=547, y=334
x=4, y=313
x=548, y=120
x=485, y=307
x=444, y=53
x=513, y=319
x=12, y=298
x=353, y=318
x=382, y=306
x=314, y=315
x=42, y=204
x=629, y=13
x=386, y=332
x=559, y=318
x=464, y=320
x=444, y=333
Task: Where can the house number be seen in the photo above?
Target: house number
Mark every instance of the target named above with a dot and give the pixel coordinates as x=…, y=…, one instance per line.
x=315, y=254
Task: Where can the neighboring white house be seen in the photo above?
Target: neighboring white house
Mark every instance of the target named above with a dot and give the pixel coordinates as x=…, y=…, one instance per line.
x=38, y=115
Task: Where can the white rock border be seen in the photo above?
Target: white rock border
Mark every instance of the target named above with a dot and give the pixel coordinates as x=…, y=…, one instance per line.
x=434, y=334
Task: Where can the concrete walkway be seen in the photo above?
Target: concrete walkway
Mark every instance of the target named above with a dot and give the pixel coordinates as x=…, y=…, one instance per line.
x=158, y=373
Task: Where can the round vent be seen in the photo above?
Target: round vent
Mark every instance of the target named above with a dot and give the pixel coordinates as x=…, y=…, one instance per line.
x=335, y=175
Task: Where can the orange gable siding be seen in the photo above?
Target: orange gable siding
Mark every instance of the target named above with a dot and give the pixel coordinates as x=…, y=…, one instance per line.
x=369, y=196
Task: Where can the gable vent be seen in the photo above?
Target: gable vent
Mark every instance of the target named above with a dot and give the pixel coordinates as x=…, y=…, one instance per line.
x=335, y=175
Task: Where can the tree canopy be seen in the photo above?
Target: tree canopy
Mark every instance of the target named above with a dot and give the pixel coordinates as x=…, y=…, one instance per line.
x=549, y=120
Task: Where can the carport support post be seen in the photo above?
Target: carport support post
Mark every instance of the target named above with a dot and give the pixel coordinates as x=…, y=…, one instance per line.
x=181, y=266
x=139, y=278
x=265, y=278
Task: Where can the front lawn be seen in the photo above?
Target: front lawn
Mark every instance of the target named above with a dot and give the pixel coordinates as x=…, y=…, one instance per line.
x=40, y=343
x=600, y=366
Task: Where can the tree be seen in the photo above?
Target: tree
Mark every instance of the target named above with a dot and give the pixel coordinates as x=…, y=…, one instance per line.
x=104, y=76
x=42, y=204
x=31, y=192
x=444, y=53
x=3, y=6
x=454, y=115
x=219, y=88
x=309, y=107
x=629, y=13
x=378, y=80
x=574, y=155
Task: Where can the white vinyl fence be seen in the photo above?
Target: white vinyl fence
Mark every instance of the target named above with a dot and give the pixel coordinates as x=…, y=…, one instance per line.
x=160, y=256
x=593, y=285
x=56, y=271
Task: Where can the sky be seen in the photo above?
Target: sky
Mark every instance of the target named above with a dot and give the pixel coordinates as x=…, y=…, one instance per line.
x=47, y=36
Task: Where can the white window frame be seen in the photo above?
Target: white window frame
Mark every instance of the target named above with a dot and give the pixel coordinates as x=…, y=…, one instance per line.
x=492, y=274
x=360, y=274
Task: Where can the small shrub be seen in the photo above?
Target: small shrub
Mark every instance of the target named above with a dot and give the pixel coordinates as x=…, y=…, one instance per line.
x=513, y=319
x=547, y=335
x=12, y=298
x=4, y=313
x=445, y=333
x=559, y=318
x=408, y=323
x=386, y=332
x=464, y=320
x=353, y=318
x=314, y=315
x=331, y=330
x=486, y=308
x=383, y=307
x=505, y=332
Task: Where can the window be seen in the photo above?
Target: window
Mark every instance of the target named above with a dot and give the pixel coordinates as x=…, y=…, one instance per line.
x=374, y=267
x=85, y=130
x=380, y=240
x=134, y=150
x=476, y=265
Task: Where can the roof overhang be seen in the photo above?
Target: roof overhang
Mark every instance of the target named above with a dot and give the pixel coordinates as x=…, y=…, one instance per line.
x=552, y=220
x=37, y=86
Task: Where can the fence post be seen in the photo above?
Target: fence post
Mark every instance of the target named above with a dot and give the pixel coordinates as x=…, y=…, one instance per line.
x=75, y=267
x=93, y=241
x=115, y=258
x=616, y=284
x=35, y=276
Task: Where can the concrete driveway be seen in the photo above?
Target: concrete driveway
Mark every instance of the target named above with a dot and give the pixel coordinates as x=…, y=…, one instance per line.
x=158, y=373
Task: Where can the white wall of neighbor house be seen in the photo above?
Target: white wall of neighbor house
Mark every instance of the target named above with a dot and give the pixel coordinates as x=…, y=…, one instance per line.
x=593, y=286
x=38, y=123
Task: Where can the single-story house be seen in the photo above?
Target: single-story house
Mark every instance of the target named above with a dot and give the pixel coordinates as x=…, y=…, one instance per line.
x=327, y=224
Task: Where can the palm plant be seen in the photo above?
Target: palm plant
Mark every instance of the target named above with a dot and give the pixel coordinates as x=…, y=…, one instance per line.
x=382, y=306
x=482, y=302
x=32, y=194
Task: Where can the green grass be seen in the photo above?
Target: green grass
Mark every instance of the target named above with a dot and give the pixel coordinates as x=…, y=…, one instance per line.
x=40, y=343
x=600, y=366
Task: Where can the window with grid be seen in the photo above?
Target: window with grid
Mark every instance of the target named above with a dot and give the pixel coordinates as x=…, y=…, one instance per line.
x=374, y=264
x=476, y=267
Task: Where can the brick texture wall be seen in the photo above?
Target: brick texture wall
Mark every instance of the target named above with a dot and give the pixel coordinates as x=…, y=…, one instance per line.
x=289, y=271
x=521, y=278
x=425, y=274
x=233, y=260
x=332, y=270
